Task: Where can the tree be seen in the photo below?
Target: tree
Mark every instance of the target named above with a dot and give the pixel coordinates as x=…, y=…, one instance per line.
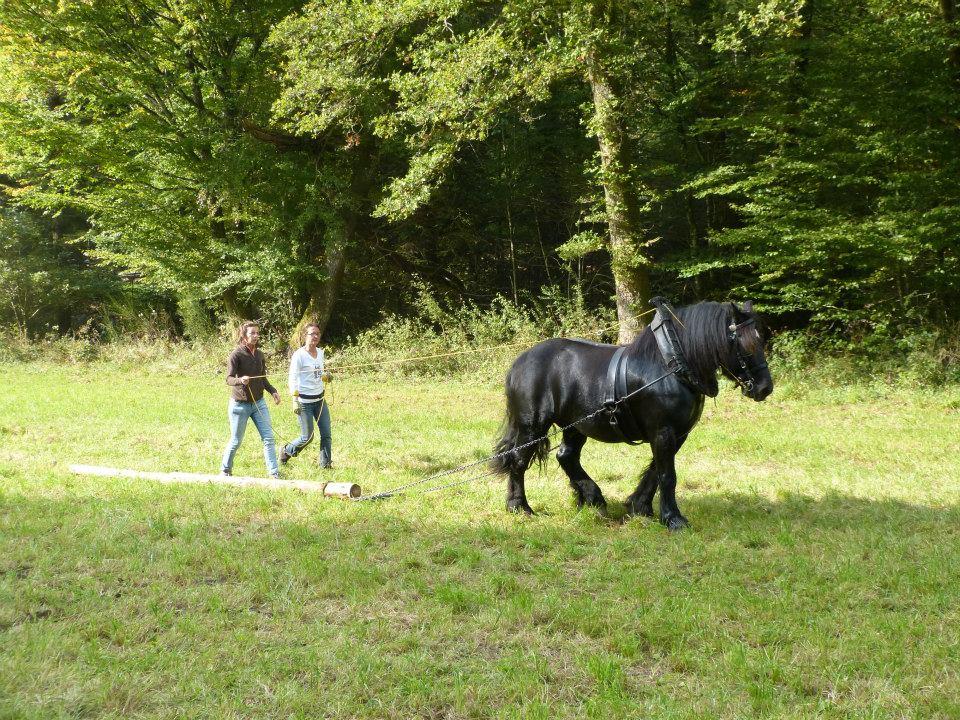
x=846, y=173
x=154, y=119
x=442, y=77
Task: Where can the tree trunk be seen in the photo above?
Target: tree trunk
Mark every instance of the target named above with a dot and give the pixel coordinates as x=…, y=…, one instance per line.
x=631, y=269
x=237, y=308
x=322, y=293
x=332, y=252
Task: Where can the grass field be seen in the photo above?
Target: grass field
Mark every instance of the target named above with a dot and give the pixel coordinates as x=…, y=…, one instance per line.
x=820, y=579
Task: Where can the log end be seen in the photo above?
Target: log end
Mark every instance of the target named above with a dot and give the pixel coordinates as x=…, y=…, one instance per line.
x=341, y=489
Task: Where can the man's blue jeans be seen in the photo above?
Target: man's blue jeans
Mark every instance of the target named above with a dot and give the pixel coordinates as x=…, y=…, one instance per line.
x=310, y=413
x=239, y=413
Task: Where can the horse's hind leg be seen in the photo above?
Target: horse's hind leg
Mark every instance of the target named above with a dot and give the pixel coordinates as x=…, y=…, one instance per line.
x=588, y=492
x=516, y=492
x=640, y=501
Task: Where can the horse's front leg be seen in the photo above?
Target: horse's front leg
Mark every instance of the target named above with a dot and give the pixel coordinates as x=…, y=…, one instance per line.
x=665, y=448
x=640, y=501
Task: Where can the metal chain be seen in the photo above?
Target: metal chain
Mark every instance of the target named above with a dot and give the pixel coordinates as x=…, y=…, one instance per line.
x=454, y=471
x=606, y=408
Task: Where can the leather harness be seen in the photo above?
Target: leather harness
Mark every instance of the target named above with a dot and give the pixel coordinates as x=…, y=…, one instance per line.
x=620, y=417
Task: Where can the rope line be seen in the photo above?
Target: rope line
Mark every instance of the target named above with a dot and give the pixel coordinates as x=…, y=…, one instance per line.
x=601, y=331
x=437, y=488
x=338, y=368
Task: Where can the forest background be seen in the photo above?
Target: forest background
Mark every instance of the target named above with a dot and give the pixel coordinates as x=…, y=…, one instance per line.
x=462, y=171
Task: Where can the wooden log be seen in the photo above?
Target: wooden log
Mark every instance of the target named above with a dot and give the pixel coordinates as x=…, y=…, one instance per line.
x=343, y=490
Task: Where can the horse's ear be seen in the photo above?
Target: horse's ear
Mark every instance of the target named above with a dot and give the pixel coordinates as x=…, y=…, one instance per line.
x=748, y=306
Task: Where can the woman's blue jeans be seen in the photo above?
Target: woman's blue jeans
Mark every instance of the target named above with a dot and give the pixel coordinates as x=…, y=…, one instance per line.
x=239, y=413
x=311, y=413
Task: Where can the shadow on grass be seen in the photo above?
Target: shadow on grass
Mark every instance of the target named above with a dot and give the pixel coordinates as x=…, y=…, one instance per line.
x=834, y=511
x=216, y=509
x=424, y=464
x=197, y=563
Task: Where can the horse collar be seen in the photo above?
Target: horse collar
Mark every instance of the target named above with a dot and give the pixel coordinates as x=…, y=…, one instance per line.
x=668, y=342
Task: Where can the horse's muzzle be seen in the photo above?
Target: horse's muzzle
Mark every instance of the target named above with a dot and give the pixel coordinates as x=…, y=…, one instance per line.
x=759, y=390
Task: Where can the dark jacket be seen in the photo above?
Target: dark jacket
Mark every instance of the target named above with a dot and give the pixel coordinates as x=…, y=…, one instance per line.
x=243, y=362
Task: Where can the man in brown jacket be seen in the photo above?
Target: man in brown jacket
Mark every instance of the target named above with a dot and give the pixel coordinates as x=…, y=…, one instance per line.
x=247, y=378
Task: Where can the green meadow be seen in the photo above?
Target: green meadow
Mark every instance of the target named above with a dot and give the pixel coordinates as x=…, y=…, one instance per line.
x=820, y=577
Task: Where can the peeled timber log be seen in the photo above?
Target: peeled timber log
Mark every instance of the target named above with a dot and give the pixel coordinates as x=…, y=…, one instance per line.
x=344, y=490
x=331, y=489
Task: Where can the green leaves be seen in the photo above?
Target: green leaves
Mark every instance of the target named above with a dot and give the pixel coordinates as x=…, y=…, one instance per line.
x=837, y=175
x=580, y=244
x=155, y=121
x=804, y=152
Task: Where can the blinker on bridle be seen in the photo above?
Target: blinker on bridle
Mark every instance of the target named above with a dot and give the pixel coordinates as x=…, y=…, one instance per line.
x=747, y=381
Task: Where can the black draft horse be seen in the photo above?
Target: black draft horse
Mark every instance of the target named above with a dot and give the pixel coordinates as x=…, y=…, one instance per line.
x=561, y=380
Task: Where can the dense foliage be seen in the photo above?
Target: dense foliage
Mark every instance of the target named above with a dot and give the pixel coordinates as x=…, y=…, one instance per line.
x=331, y=159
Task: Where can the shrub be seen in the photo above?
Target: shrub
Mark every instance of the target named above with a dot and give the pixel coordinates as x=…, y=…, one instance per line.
x=468, y=338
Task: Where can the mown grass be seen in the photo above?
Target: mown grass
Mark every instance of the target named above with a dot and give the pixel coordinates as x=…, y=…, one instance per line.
x=820, y=578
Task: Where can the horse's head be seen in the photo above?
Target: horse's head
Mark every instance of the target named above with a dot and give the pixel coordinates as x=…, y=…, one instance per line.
x=746, y=364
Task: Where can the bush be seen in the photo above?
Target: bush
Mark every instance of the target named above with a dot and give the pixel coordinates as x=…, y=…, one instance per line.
x=469, y=339
x=482, y=342
x=923, y=356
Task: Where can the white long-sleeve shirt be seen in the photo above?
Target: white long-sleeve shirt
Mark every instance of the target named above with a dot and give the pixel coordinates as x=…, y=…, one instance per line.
x=305, y=375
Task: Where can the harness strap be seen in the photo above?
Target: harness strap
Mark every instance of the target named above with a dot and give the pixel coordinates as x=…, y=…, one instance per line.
x=620, y=417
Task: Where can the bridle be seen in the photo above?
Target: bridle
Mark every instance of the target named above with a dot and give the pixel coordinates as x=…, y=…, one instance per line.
x=747, y=380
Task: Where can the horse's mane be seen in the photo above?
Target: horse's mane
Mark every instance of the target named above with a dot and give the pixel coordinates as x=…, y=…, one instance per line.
x=703, y=334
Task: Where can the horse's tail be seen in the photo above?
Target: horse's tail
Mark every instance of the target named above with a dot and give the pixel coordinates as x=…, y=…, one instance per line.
x=506, y=457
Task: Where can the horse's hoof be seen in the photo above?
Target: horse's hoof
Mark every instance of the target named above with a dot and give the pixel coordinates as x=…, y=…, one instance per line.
x=639, y=510
x=518, y=507
x=675, y=522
